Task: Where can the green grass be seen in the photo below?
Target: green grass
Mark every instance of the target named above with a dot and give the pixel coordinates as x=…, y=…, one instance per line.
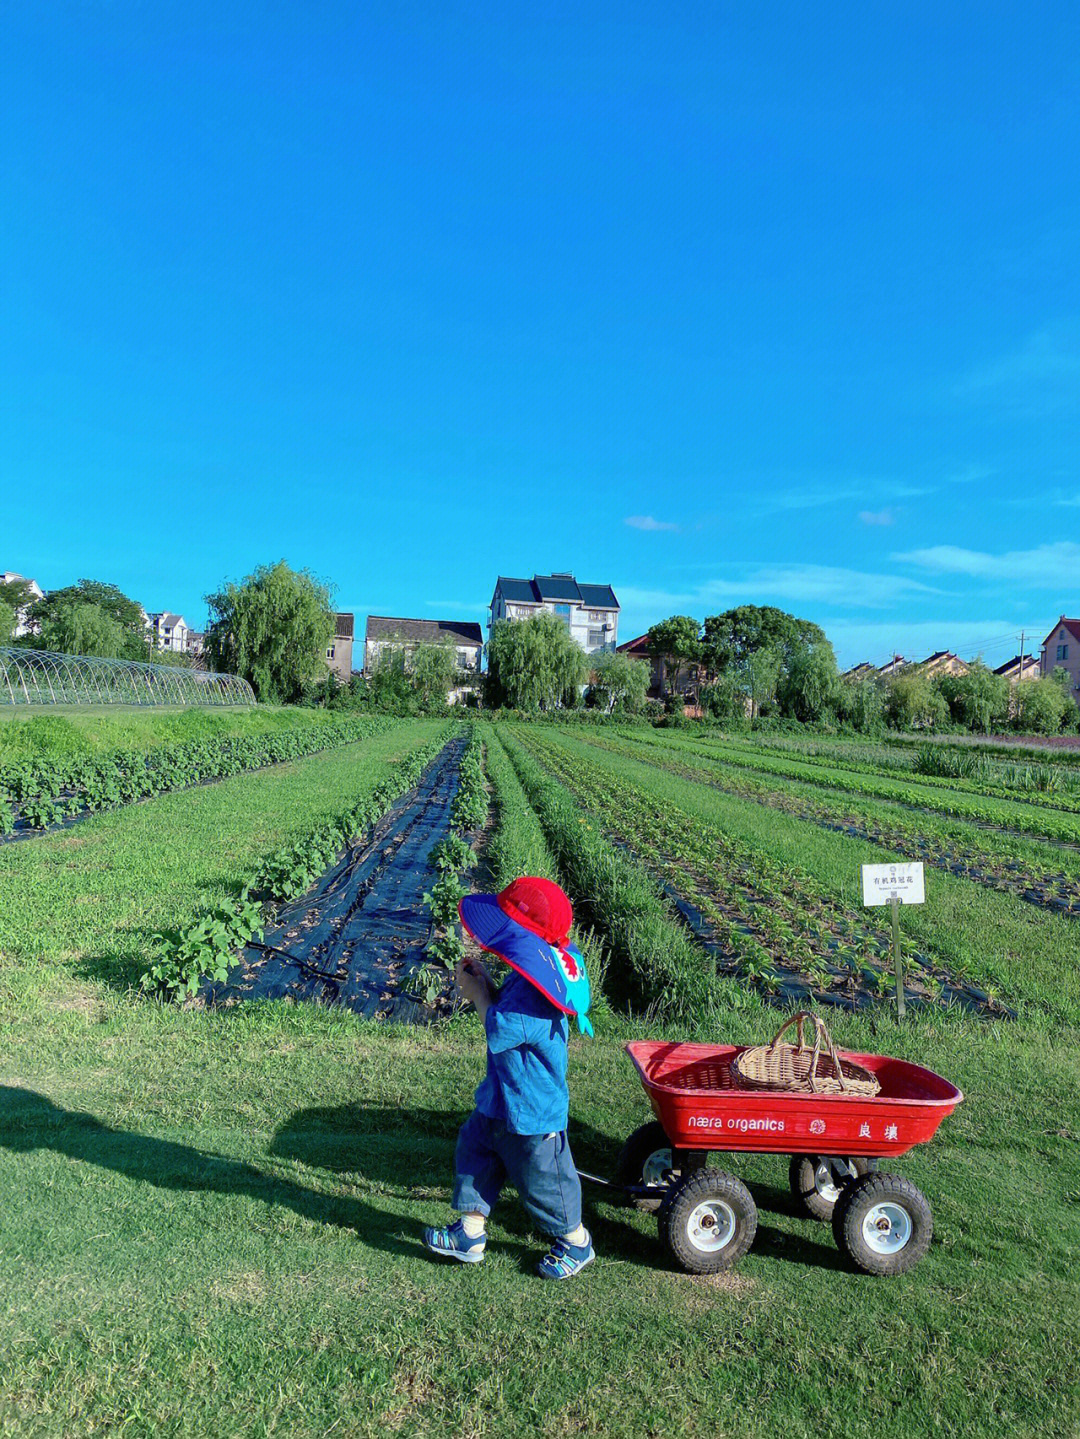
x=211, y=1220
x=72, y=730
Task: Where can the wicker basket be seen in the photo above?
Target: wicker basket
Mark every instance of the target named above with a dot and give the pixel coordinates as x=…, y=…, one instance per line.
x=800, y=1068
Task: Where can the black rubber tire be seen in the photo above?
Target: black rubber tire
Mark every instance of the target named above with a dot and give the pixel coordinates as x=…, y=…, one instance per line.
x=802, y=1174
x=646, y=1141
x=855, y=1204
x=678, y=1209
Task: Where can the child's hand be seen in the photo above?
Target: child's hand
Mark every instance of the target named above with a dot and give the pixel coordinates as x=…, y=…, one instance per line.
x=474, y=984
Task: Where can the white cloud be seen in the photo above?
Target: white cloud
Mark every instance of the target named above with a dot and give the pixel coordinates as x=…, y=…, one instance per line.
x=1053, y=566
x=646, y=522
x=878, y=517
x=812, y=495
x=1041, y=375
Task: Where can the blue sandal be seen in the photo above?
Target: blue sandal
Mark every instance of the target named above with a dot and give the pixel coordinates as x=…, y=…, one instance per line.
x=564, y=1260
x=453, y=1243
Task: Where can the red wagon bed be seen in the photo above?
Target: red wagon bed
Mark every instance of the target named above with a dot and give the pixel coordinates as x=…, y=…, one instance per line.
x=695, y=1098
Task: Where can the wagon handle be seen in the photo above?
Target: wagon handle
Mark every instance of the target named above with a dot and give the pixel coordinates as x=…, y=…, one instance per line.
x=820, y=1032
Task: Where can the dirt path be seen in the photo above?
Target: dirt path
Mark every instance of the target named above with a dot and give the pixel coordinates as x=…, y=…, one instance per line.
x=357, y=936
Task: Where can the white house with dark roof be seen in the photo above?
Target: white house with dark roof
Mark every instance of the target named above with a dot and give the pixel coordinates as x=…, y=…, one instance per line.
x=590, y=612
x=388, y=632
x=170, y=631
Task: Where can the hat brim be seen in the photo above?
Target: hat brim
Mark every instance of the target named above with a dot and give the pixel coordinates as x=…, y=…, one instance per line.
x=525, y=952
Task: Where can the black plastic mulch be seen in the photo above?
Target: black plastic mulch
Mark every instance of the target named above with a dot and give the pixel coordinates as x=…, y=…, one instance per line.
x=361, y=931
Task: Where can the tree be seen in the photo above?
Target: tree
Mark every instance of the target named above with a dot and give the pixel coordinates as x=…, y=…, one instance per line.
x=16, y=597
x=433, y=668
x=82, y=629
x=62, y=618
x=1042, y=707
x=725, y=699
x=915, y=703
x=619, y=681
x=979, y=700
x=775, y=655
x=674, y=642
x=861, y=704
x=809, y=687
x=272, y=630
x=534, y=664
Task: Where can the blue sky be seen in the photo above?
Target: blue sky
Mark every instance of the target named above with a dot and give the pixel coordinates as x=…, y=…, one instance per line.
x=719, y=303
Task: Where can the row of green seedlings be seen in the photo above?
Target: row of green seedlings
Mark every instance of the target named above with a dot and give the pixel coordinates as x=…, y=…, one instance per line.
x=1053, y=889
x=982, y=772
x=1050, y=823
x=43, y=792
x=763, y=913
x=452, y=859
x=654, y=963
x=206, y=949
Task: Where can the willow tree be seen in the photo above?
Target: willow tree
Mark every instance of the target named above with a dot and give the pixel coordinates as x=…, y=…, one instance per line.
x=272, y=630
x=534, y=664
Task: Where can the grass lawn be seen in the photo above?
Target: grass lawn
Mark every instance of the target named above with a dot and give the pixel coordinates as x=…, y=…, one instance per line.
x=91, y=729
x=211, y=1220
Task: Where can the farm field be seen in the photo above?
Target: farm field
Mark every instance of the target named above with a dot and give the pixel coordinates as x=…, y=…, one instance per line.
x=212, y=1214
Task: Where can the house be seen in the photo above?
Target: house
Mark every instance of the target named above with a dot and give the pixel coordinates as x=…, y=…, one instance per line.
x=590, y=612
x=386, y=632
x=895, y=666
x=944, y=662
x=864, y=671
x=169, y=631
x=339, y=651
x=687, y=681
x=1020, y=667
x=9, y=577
x=1061, y=650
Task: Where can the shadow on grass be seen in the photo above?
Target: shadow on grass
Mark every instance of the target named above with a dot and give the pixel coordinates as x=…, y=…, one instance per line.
x=29, y=1121
x=403, y=1150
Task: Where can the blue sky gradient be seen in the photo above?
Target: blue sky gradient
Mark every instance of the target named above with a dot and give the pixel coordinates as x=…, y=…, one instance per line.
x=716, y=303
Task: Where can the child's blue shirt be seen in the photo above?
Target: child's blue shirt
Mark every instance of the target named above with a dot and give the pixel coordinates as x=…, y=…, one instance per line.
x=525, y=1084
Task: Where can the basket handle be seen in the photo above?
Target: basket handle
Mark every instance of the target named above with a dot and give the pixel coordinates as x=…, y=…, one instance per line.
x=820, y=1033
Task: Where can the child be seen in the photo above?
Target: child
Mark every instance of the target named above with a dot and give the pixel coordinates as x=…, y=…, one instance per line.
x=518, y=1129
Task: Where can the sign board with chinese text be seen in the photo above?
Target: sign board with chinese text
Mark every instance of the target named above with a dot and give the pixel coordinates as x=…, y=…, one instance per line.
x=882, y=883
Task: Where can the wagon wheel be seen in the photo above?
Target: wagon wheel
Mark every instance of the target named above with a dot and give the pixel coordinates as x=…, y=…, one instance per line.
x=816, y=1182
x=708, y=1221
x=646, y=1158
x=883, y=1224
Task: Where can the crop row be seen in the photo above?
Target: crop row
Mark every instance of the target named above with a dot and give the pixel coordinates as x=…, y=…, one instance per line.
x=776, y=925
x=931, y=766
x=206, y=948
x=37, y=793
x=885, y=825
x=1009, y=815
x=653, y=961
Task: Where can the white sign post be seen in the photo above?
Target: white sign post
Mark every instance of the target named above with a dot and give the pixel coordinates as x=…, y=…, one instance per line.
x=894, y=885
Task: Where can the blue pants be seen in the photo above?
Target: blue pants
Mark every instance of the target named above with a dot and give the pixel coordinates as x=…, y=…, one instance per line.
x=539, y=1166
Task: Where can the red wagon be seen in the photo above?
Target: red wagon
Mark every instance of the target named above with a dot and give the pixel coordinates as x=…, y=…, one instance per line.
x=708, y=1218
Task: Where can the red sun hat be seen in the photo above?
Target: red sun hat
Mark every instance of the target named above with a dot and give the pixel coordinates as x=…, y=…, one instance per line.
x=539, y=905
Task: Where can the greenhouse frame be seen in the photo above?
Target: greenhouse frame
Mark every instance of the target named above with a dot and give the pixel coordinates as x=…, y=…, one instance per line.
x=39, y=677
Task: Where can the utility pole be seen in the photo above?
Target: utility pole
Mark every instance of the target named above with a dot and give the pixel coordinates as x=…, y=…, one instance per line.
x=1020, y=676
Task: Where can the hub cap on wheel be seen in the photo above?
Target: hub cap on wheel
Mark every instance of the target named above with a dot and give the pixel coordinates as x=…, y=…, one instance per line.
x=825, y=1182
x=711, y=1225
x=656, y=1168
x=887, y=1228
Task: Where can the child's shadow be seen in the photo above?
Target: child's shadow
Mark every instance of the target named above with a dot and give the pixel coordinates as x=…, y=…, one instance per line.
x=409, y=1153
